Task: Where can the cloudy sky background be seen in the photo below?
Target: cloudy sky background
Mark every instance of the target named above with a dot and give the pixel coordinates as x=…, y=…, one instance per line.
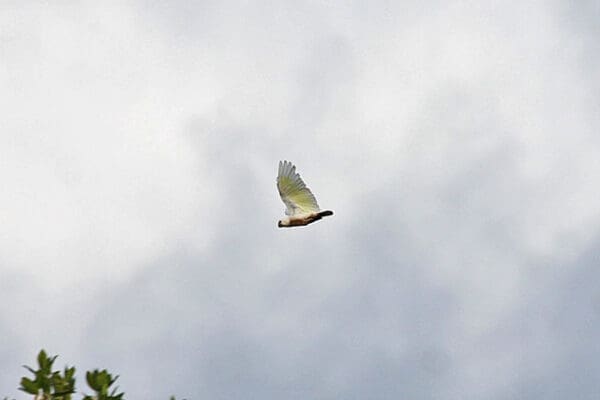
x=457, y=142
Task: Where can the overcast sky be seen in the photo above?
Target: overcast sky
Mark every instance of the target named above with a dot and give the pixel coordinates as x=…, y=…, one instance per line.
x=457, y=142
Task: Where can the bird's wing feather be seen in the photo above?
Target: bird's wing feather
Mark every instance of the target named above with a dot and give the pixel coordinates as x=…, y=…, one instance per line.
x=297, y=198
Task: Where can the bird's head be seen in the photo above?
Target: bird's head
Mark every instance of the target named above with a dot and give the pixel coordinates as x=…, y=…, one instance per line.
x=284, y=223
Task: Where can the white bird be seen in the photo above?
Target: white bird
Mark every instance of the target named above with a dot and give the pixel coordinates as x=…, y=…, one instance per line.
x=301, y=205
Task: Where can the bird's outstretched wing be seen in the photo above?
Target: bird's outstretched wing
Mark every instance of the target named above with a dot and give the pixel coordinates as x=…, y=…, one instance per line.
x=297, y=197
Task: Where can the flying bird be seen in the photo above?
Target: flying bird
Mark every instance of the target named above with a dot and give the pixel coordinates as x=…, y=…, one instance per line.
x=301, y=205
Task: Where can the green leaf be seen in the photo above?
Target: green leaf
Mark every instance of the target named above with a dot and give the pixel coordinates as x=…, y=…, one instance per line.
x=69, y=373
x=63, y=392
x=101, y=382
x=103, y=379
x=42, y=359
x=45, y=362
x=29, y=386
x=90, y=378
x=98, y=380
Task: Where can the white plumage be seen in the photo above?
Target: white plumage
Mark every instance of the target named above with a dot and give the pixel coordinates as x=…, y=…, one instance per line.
x=301, y=205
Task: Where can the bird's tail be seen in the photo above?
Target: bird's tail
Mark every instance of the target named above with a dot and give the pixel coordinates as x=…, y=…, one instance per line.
x=325, y=213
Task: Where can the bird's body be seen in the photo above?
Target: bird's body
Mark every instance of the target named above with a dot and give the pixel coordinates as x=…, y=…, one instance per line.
x=303, y=219
x=301, y=205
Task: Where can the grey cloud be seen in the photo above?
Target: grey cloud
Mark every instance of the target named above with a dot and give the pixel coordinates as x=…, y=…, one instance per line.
x=567, y=306
x=238, y=329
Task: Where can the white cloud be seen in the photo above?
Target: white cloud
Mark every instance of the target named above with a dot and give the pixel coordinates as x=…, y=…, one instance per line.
x=99, y=177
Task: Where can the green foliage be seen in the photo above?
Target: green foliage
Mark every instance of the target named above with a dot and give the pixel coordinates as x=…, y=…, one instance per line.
x=47, y=384
x=100, y=382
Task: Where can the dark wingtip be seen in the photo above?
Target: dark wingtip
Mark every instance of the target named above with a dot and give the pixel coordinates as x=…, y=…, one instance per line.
x=325, y=213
